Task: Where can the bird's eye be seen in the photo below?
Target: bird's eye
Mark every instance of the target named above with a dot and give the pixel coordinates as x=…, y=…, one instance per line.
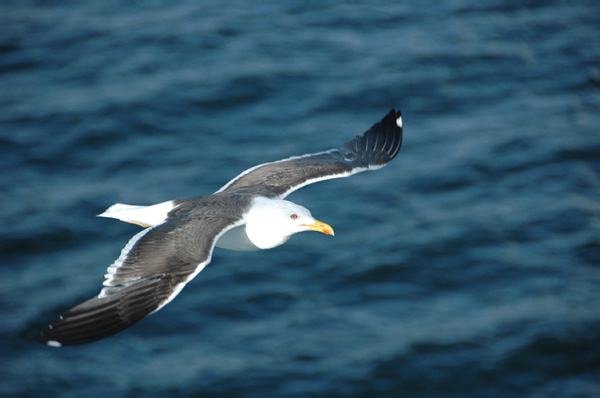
x=294, y=216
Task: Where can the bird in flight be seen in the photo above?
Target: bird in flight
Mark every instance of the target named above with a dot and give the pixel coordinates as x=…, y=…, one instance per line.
x=247, y=213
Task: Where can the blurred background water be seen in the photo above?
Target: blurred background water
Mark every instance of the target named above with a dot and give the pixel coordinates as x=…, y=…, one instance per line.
x=468, y=267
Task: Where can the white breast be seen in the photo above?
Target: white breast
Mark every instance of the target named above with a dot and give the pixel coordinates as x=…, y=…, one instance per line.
x=236, y=239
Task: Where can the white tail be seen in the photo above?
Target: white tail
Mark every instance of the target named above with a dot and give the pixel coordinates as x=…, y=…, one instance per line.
x=146, y=216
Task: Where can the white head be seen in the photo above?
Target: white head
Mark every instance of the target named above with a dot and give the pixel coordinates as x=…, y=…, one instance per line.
x=271, y=222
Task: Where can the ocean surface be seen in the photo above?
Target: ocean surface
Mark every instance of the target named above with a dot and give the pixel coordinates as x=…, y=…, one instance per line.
x=468, y=267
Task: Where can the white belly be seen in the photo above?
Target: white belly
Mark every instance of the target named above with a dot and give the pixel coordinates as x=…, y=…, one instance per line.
x=236, y=239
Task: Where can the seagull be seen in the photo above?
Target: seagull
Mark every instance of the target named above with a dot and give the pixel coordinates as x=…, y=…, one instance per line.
x=247, y=213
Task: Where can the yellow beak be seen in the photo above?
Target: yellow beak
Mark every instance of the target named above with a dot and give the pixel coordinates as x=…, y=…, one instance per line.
x=320, y=227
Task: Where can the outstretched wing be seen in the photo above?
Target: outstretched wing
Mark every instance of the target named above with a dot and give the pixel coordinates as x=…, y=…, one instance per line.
x=371, y=151
x=151, y=270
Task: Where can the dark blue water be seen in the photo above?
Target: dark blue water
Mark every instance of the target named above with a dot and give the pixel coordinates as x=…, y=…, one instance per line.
x=469, y=267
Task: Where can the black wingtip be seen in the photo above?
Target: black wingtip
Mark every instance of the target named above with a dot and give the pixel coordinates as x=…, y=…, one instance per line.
x=380, y=144
x=393, y=122
x=397, y=115
x=42, y=338
x=92, y=320
x=98, y=318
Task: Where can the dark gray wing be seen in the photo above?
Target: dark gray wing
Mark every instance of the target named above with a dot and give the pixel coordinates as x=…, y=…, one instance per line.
x=152, y=269
x=371, y=151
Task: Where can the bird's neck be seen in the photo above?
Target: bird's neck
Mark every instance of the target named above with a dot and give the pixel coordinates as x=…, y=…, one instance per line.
x=262, y=226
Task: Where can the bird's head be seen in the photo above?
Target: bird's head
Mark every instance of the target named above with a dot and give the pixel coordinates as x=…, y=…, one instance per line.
x=271, y=222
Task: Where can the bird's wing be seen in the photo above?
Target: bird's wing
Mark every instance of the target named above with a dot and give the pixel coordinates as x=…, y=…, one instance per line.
x=151, y=270
x=371, y=151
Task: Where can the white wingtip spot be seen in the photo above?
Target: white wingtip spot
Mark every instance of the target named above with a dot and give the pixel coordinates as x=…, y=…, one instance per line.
x=53, y=343
x=399, y=121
